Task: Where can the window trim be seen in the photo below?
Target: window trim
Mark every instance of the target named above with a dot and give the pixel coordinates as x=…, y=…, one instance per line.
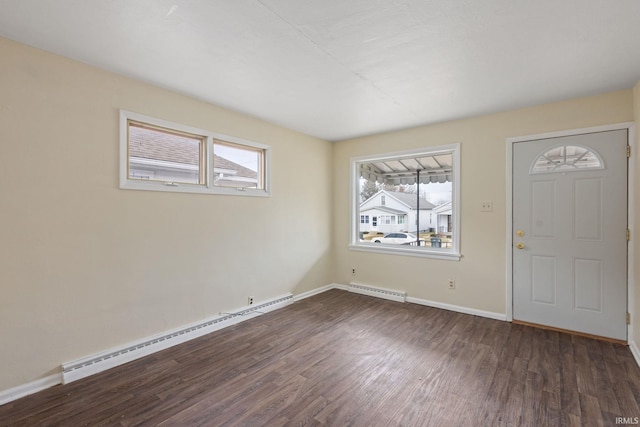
x=452, y=254
x=203, y=188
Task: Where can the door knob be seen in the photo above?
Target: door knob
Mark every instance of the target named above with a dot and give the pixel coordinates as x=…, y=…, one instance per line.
x=520, y=245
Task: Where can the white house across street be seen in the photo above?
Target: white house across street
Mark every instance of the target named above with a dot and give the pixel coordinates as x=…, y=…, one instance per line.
x=392, y=211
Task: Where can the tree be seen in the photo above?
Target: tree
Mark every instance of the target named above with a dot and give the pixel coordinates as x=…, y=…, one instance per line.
x=367, y=189
x=407, y=188
x=388, y=187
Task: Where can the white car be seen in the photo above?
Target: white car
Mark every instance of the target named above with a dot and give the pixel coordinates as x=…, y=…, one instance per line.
x=399, y=239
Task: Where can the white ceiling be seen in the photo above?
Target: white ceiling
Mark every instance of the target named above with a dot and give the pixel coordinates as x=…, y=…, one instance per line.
x=337, y=69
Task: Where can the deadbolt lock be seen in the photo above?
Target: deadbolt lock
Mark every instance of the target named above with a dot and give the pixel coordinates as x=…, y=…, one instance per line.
x=520, y=233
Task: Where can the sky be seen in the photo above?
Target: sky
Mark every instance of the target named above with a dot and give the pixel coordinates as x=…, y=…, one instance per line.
x=437, y=192
x=246, y=158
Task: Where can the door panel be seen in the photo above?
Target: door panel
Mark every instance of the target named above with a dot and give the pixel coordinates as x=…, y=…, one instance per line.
x=569, y=233
x=543, y=279
x=588, y=284
x=588, y=209
x=543, y=209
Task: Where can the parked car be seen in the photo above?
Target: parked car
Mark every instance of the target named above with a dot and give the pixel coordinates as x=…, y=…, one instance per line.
x=399, y=239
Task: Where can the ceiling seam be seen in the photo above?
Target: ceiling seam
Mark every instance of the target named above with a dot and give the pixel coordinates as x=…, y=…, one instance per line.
x=328, y=54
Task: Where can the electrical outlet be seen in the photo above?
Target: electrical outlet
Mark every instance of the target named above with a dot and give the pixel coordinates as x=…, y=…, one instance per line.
x=452, y=284
x=250, y=300
x=353, y=271
x=486, y=206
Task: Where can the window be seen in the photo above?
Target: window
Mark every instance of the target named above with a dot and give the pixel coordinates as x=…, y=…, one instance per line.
x=364, y=219
x=421, y=188
x=162, y=156
x=237, y=166
x=566, y=158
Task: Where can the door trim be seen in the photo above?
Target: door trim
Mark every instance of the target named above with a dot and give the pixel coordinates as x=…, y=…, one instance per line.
x=630, y=127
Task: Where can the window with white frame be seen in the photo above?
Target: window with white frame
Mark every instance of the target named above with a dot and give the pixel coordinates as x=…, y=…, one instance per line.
x=235, y=165
x=414, y=192
x=163, y=156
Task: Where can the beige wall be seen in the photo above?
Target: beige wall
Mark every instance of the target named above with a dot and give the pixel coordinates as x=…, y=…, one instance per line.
x=85, y=266
x=481, y=274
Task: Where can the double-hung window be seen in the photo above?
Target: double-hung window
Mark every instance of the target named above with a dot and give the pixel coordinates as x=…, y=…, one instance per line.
x=159, y=155
x=415, y=192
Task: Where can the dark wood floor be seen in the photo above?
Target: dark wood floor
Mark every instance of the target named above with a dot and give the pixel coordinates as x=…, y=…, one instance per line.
x=339, y=359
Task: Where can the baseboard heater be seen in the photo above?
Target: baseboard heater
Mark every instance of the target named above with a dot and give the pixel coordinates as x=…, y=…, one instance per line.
x=87, y=366
x=390, y=294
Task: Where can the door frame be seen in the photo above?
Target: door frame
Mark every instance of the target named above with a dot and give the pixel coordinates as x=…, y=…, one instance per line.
x=630, y=127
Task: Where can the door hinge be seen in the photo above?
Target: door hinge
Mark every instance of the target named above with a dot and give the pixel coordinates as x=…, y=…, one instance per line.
x=628, y=151
x=628, y=235
x=628, y=318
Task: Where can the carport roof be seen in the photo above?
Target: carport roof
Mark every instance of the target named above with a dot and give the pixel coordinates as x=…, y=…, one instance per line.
x=403, y=170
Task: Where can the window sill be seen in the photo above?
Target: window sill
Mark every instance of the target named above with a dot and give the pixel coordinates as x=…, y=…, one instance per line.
x=192, y=188
x=406, y=251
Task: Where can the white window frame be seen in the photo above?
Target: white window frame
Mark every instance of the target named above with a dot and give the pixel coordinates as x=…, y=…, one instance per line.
x=207, y=187
x=355, y=244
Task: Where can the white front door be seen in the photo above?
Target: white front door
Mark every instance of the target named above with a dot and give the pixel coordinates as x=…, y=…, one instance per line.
x=569, y=233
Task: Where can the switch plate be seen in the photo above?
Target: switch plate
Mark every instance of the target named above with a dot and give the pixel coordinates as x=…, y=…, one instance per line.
x=486, y=206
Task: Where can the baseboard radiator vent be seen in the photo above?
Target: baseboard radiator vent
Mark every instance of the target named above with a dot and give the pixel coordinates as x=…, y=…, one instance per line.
x=85, y=367
x=390, y=294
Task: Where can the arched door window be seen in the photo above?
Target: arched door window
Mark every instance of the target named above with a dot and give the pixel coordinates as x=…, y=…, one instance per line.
x=567, y=158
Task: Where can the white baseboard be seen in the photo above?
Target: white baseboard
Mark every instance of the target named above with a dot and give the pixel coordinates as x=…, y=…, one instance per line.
x=635, y=351
x=373, y=291
x=96, y=363
x=23, y=390
x=459, y=309
x=400, y=296
x=316, y=291
x=356, y=288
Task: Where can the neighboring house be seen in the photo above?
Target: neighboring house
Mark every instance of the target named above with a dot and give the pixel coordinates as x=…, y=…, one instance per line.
x=229, y=174
x=161, y=156
x=391, y=211
x=444, y=215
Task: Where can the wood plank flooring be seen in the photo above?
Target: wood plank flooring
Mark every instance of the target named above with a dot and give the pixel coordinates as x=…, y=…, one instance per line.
x=340, y=359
